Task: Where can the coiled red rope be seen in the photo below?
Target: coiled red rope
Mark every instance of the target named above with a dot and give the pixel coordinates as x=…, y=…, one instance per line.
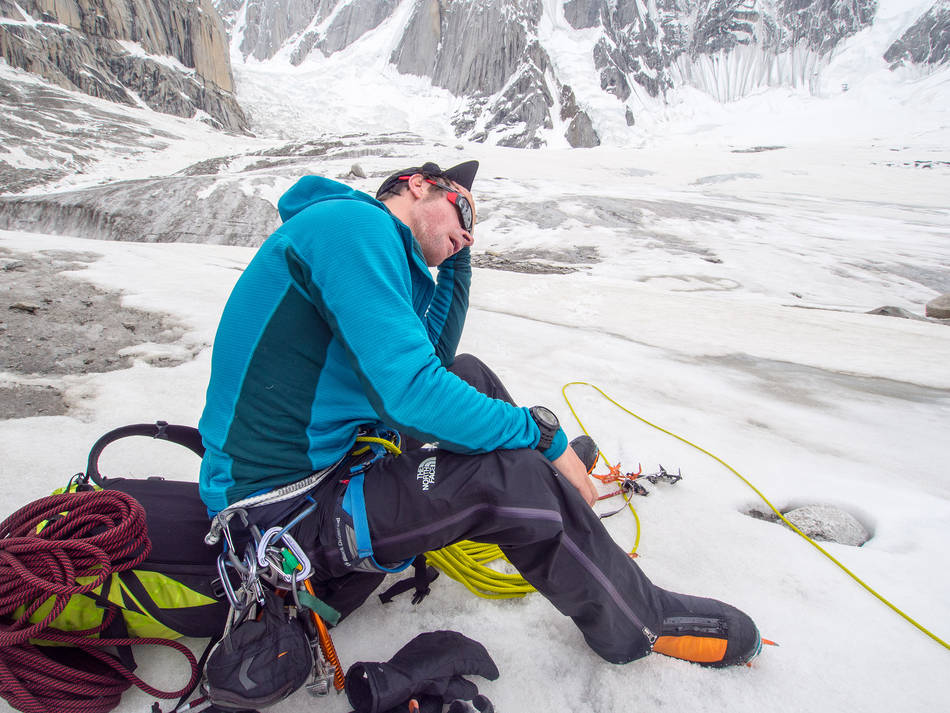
x=44, y=547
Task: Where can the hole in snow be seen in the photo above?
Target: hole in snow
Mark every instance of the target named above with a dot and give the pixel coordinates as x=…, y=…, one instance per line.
x=827, y=523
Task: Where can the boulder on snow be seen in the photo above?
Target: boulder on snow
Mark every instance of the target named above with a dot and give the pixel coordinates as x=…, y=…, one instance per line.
x=830, y=524
x=892, y=311
x=939, y=307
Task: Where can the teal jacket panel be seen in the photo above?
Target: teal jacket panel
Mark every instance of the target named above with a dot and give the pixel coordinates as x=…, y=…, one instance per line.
x=336, y=324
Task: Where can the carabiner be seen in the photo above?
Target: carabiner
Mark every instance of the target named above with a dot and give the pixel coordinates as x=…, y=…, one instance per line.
x=271, y=536
x=226, y=583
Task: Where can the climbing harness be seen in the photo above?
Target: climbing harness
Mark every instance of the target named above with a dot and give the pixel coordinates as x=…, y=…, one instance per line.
x=271, y=560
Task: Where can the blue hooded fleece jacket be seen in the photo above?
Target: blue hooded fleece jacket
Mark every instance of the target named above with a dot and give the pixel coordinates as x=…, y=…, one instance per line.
x=335, y=324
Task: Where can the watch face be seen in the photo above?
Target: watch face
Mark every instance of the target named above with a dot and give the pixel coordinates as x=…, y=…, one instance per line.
x=545, y=417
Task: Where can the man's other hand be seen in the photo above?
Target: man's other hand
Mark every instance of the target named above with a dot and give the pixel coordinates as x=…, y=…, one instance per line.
x=573, y=469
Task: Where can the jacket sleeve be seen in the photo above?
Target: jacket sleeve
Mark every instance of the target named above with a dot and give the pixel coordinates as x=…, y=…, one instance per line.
x=359, y=280
x=446, y=316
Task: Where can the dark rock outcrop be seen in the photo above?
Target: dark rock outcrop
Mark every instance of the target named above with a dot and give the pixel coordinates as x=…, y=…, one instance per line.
x=352, y=22
x=821, y=24
x=895, y=311
x=470, y=48
x=170, y=54
x=304, y=25
x=580, y=133
x=927, y=41
x=268, y=24
x=488, y=51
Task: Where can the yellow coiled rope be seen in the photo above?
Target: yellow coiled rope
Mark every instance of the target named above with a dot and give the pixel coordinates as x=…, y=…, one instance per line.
x=466, y=561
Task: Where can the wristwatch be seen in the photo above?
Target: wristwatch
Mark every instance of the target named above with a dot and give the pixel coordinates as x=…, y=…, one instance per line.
x=548, y=424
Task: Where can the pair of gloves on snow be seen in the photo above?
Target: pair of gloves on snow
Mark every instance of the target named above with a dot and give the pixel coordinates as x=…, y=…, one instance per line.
x=429, y=669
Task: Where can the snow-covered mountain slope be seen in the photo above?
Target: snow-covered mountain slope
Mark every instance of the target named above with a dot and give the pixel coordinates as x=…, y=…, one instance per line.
x=51, y=137
x=548, y=72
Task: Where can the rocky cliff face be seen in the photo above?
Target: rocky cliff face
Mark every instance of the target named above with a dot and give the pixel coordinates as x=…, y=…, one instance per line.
x=492, y=53
x=169, y=54
x=639, y=44
x=927, y=41
x=342, y=26
x=302, y=26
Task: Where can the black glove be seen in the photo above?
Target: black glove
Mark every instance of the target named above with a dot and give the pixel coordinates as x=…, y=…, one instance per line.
x=479, y=703
x=431, y=665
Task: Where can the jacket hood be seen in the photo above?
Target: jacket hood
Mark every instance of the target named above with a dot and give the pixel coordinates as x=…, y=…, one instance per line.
x=314, y=189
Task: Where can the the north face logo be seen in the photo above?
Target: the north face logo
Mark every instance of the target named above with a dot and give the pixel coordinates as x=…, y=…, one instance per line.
x=426, y=472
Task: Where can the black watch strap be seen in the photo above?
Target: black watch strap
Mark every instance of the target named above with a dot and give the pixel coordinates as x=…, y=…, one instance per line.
x=548, y=425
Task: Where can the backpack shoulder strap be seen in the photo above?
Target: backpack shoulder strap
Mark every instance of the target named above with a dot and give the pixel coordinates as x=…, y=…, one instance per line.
x=186, y=436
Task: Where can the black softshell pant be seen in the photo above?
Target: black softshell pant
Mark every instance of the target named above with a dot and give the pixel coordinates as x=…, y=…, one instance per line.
x=515, y=499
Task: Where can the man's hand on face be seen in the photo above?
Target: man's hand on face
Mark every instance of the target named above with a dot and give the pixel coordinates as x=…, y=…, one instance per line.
x=573, y=469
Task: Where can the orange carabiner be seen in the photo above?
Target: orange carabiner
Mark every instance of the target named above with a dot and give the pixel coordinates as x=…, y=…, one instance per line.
x=326, y=644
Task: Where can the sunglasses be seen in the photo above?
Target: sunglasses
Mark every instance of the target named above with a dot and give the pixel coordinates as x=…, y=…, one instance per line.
x=461, y=203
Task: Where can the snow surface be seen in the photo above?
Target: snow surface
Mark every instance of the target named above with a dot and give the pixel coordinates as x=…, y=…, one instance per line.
x=766, y=358
x=814, y=405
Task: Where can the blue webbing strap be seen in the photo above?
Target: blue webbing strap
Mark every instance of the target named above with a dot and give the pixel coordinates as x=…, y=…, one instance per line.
x=354, y=504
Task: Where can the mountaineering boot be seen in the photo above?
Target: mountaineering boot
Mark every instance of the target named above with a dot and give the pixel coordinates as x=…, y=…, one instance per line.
x=586, y=450
x=706, y=631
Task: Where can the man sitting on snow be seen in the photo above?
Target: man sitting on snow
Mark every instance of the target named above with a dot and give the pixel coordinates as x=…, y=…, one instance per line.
x=336, y=330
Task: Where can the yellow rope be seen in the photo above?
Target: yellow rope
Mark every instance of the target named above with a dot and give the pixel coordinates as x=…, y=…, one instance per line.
x=465, y=563
x=636, y=540
x=757, y=492
x=388, y=445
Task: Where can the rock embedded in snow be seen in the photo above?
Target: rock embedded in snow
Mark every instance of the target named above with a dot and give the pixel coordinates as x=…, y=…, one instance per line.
x=830, y=524
x=892, y=311
x=939, y=307
x=24, y=307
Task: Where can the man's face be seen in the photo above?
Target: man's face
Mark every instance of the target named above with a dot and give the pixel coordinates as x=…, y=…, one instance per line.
x=438, y=228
